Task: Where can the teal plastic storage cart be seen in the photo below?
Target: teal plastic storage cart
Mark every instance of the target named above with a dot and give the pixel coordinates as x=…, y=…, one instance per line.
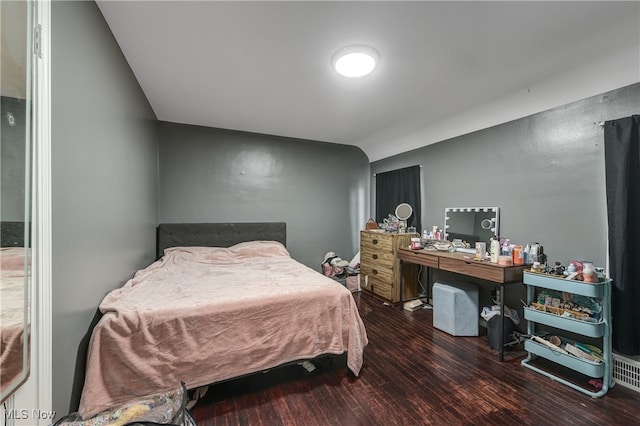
x=599, y=330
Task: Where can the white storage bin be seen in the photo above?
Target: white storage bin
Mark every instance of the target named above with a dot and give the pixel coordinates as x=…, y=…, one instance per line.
x=456, y=308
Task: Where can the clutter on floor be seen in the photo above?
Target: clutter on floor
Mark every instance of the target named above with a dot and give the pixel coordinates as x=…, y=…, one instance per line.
x=345, y=272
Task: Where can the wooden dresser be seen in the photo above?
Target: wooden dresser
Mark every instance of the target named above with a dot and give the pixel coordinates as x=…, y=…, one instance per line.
x=380, y=266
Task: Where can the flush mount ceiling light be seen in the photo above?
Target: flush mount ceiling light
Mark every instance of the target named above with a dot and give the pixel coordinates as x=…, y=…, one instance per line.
x=355, y=61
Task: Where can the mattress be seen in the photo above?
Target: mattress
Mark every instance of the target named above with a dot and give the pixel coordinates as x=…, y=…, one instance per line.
x=202, y=315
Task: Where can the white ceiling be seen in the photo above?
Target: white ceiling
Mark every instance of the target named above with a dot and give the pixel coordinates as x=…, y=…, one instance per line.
x=447, y=68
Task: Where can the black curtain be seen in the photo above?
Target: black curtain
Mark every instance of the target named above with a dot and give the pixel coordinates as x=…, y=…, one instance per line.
x=395, y=187
x=622, y=167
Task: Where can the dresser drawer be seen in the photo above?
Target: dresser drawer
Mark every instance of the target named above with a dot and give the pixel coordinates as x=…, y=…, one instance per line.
x=376, y=241
x=377, y=271
x=383, y=259
x=378, y=287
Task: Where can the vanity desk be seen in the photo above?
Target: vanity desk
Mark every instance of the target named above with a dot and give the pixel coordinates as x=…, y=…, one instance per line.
x=464, y=264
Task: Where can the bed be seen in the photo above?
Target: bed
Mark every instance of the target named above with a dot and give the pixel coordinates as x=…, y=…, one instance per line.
x=223, y=301
x=14, y=263
x=12, y=314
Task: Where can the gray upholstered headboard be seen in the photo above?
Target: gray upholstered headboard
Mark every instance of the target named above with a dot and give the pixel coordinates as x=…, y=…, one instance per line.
x=217, y=234
x=12, y=234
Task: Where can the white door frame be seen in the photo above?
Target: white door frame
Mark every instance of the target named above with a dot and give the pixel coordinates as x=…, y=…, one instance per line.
x=34, y=398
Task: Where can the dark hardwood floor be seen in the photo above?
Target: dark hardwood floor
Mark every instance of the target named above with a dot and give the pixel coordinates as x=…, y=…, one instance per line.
x=413, y=374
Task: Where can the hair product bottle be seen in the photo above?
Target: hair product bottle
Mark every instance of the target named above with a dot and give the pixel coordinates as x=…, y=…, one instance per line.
x=494, y=249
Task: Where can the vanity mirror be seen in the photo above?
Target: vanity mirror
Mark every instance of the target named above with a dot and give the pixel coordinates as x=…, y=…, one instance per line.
x=471, y=224
x=403, y=212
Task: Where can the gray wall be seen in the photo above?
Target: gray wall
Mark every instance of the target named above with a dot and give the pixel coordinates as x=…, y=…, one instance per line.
x=104, y=182
x=545, y=172
x=318, y=189
x=13, y=159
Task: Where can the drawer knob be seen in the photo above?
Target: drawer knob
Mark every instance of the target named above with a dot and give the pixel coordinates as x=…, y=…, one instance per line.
x=375, y=256
x=374, y=241
x=374, y=272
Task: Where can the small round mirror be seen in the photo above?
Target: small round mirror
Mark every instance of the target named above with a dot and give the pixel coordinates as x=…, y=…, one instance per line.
x=404, y=211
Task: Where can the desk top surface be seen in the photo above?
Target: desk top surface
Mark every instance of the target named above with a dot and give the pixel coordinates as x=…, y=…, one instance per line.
x=464, y=263
x=465, y=257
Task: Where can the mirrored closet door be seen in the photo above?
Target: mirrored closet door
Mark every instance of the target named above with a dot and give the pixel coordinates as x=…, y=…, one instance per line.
x=15, y=192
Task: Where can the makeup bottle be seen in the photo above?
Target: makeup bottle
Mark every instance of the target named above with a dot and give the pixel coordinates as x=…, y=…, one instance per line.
x=589, y=272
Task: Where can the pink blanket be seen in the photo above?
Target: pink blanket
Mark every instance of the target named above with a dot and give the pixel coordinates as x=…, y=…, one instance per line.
x=12, y=314
x=203, y=315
